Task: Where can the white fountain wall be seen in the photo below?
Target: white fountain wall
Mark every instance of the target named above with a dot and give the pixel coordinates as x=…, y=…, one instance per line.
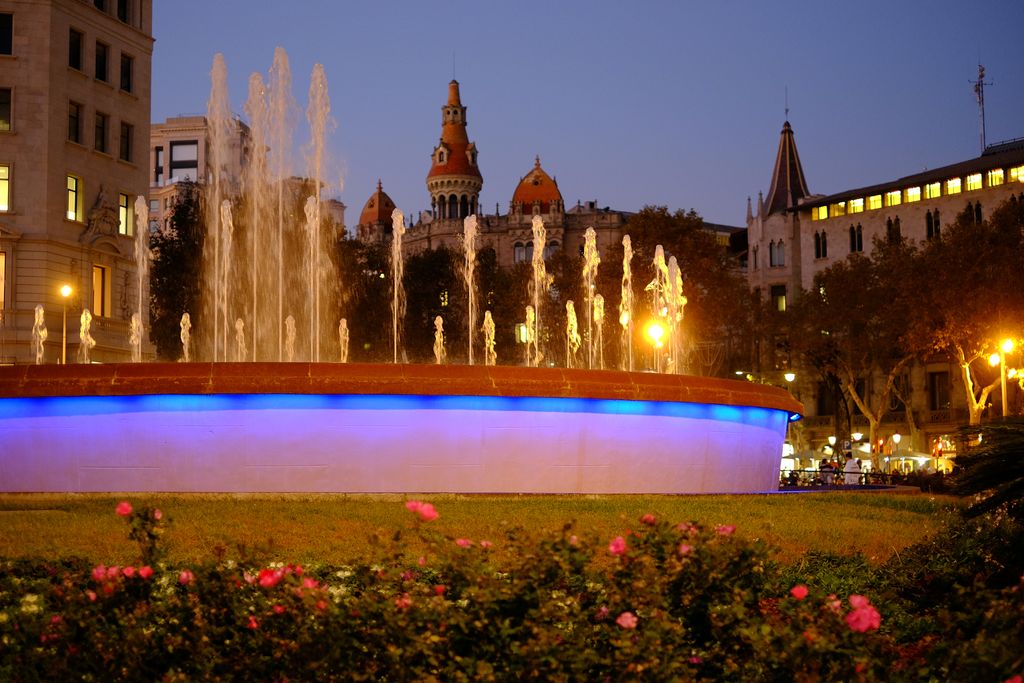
x=291, y=443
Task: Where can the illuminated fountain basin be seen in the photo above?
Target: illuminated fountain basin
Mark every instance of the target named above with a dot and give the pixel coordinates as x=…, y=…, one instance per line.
x=348, y=428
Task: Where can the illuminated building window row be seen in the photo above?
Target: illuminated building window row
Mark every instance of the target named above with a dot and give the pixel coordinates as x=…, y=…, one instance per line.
x=974, y=181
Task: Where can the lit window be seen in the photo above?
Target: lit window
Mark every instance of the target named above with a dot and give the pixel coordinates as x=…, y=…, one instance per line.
x=912, y=194
x=5, y=108
x=893, y=198
x=837, y=209
x=74, y=205
x=5, y=187
x=974, y=181
x=1017, y=174
x=778, y=294
x=932, y=190
x=875, y=202
x=819, y=213
x=995, y=177
x=953, y=186
x=856, y=205
x=125, y=219
x=100, y=291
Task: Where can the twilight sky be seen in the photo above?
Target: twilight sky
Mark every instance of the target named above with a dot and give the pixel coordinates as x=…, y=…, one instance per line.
x=675, y=103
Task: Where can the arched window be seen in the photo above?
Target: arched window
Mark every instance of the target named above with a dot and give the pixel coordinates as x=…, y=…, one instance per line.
x=464, y=207
x=771, y=254
x=550, y=249
x=817, y=245
x=897, y=233
x=853, y=239
x=518, y=252
x=929, y=225
x=780, y=253
x=824, y=245
x=442, y=207
x=977, y=212
x=937, y=224
x=472, y=206
x=529, y=251
x=755, y=257
x=453, y=206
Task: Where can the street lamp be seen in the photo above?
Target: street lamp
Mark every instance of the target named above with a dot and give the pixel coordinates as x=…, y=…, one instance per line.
x=896, y=440
x=1000, y=358
x=789, y=376
x=655, y=332
x=65, y=292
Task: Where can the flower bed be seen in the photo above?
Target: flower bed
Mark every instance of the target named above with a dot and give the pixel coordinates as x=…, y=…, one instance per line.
x=662, y=601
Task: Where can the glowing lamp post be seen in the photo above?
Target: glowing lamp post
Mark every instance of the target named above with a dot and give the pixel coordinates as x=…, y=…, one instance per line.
x=655, y=332
x=896, y=440
x=1000, y=359
x=65, y=292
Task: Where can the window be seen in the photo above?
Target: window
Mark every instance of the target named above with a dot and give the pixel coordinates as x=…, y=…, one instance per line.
x=158, y=170
x=102, y=53
x=938, y=391
x=1017, y=174
x=125, y=215
x=75, y=122
x=519, y=252
x=74, y=203
x=75, y=41
x=824, y=245
x=6, y=33
x=550, y=249
x=3, y=277
x=5, y=187
x=101, y=5
x=127, y=132
x=101, y=132
x=819, y=213
x=127, y=64
x=929, y=226
x=995, y=177
x=857, y=205
x=893, y=198
x=856, y=239
x=892, y=229
x=977, y=212
x=778, y=294
x=5, y=108
x=837, y=209
x=912, y=194
x=932, y=190
x=776, y=254
x=953, y=186
x=154, y=205
x=974, y=181
x=185, y=165
x=875, y=202
x=100, y=291
x=124, y=11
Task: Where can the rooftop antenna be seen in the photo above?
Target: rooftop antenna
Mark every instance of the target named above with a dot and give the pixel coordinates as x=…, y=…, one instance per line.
x=787, y=103
x=453, y=65
x=979, y=91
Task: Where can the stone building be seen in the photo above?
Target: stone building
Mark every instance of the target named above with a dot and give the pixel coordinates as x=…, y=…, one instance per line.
x=74, y=116
x=793, y=235
x=454, y=182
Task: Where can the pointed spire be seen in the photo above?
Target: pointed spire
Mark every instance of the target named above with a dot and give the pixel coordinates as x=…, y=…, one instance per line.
x=750, y=211
x=760, y=203
x=788, y=184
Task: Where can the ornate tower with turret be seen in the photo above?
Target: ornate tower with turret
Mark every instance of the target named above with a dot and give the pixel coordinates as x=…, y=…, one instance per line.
x=454, y=180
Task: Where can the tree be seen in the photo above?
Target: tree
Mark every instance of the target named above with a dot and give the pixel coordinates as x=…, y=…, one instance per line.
x=971, y=297
x=853, y=325
x=365, y=299
x=176, y=271
x=993, y=467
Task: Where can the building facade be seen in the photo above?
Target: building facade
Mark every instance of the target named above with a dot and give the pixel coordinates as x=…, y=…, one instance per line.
x=793, y=235
x=74, y=116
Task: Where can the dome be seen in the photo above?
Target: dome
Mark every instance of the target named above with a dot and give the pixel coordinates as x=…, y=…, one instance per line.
x=378, y=208
x=454, y=155
x=537, y=186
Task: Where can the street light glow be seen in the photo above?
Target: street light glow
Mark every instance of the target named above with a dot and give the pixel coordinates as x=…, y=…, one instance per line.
x=790, y=376
x=65, y=291
x=1007, y=345
x=655, y=332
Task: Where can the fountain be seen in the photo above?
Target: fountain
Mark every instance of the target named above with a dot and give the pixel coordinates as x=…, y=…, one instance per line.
x=86, y=342
x=39, y=334
x=591, y=260
x=142, y=257
x=271, y=426
x=134, y=336
x=186, y=337
x=439, y=353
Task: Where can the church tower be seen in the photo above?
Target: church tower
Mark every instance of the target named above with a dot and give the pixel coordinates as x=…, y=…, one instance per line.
x=454, y=180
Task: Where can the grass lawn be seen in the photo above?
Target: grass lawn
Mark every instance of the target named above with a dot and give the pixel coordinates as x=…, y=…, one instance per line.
x=338, y=529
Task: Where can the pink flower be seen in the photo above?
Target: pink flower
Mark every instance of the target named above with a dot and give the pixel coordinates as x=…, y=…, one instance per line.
x=573, y=541
x=863, y=617
x=253, y=623
x=626, y=620
x=602, y=613
x=112, y=572
x=685, y=549
x=485, y=544
x=798, y=591
x=278, y=609
x=310, y=583
x=185, y=577
x=833, y=604
x=92, y=595
x=146, y=571
x=440, y=588
x=403, y=601
x=124, y=508
x=128, y=571
x=426, y=511
x=463, y=542
x=1015, y=679
x=157, y=515
x=648, y=519
x=725, y=529
x=695, y=660
x=99, y=573
x=321, y=605
x=617, y=546
x=270, y=577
